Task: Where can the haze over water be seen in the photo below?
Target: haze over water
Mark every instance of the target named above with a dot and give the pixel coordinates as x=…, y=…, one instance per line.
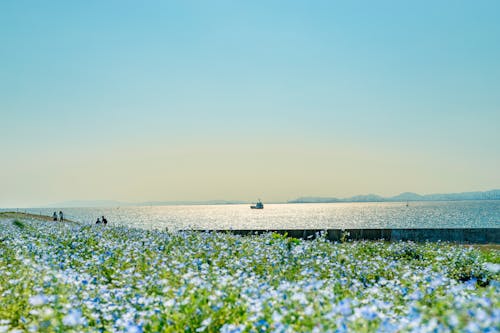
x=470, y=214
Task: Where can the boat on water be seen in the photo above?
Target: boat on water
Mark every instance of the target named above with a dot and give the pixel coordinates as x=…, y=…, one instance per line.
x=258, y=205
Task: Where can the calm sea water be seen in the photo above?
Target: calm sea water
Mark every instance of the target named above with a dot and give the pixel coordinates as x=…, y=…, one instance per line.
x=471, y=214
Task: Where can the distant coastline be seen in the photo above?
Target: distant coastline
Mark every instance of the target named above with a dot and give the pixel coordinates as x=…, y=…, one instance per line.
x=406, y=196
x=403, y=197
x=112, y=203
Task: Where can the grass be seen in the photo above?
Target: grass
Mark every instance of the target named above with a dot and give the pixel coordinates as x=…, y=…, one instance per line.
x=29, y=216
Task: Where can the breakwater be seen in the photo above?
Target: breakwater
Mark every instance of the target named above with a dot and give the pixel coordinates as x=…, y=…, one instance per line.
x=457, y=235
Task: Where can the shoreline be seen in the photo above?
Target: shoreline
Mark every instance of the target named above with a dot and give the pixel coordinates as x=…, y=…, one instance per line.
x=469, y=236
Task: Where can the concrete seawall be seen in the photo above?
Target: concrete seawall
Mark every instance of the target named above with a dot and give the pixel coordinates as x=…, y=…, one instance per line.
x=458, y=235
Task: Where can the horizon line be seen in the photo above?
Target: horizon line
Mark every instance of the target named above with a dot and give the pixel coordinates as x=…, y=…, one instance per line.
x=370, y=197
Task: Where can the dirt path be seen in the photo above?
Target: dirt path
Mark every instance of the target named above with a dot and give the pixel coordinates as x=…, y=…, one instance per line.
x=20, y=215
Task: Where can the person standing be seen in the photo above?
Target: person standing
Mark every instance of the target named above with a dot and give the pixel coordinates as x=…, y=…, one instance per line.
x=61, y=216
x=54, y=216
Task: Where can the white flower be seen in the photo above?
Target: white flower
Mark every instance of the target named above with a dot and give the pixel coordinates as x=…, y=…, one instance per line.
x=453, y=320
x=276, y=317
x=309, y=310
x=38, y=300
x=204, y=324
x=300, y=297
x=493, y=268
x=207, y=321
x=16, y=330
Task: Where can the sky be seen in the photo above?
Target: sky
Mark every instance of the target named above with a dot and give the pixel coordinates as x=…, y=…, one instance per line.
x=238, y=100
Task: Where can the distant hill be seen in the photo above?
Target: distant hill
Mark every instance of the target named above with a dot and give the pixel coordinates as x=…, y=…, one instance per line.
x=178, y=203
x=112, y=203
x=315, y=200
x=406, y=196
x=488, y=195
x=366, y=198
x=89, y=203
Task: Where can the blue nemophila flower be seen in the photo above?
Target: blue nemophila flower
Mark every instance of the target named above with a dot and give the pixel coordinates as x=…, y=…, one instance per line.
x=388, y=326
x=471, y=284
x=344, y=307
x=472, y=327
x=232, y=328
x=157, y=278
x=74, y=318
x=133, y=328
x=368, y=312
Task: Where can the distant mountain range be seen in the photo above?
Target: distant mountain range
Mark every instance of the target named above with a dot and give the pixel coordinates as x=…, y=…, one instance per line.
x=406, y=196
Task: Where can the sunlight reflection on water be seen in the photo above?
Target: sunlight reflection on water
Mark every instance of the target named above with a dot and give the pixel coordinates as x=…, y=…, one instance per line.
x=471, y=214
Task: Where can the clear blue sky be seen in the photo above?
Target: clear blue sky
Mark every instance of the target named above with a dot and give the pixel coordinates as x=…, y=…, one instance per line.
x=198, y=100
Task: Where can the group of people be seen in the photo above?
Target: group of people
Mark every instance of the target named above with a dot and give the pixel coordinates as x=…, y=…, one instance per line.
x=61, y=216
x=103, y=220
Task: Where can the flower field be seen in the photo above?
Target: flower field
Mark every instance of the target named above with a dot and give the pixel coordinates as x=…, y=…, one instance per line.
x=63, y=277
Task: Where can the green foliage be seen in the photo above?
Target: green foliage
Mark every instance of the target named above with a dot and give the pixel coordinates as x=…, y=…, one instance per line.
x=470, y=267
x=344, y=236
x=18, y=224
x=491, y=255
x=409, y=251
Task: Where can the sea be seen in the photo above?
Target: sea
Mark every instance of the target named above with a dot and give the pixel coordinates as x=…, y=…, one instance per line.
x=439, y=214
